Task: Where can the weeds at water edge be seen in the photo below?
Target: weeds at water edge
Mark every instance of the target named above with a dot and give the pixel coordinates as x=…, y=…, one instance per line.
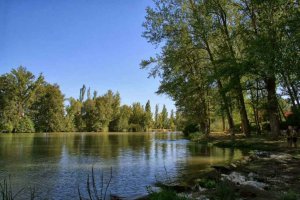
x=6, y=191
x=91, y=187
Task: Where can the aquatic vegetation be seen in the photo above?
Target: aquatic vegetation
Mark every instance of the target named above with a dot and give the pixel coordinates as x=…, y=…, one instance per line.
x=96, y=190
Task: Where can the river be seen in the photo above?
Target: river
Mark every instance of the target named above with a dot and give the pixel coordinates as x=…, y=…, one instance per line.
x=55, y=164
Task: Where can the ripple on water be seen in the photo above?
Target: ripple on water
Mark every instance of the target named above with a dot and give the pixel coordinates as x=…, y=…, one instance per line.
x=56, y=164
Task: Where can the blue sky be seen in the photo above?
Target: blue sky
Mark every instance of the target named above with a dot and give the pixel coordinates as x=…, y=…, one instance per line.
x=74, y=42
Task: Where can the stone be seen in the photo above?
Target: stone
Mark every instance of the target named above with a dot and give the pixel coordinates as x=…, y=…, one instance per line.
x=281, y=156
x=233, y=165
x=239, y=179
x=222, y=169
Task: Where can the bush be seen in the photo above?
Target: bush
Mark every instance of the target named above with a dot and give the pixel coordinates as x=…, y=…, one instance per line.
x=294, y=119
x=207, y=183
x=289, y=195
x=197, y=137
x=6, y=127
x=165, y=195
x=224, y=191
x=190, y=128
x=25, y=125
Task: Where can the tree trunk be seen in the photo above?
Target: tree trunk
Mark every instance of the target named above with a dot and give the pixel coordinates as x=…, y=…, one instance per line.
x=236, y=79
x=272, y=105
x=255, y=111
x=223, y=123
x=226, y=108
x=223, y=95
x=295, y=92
x=242, y=108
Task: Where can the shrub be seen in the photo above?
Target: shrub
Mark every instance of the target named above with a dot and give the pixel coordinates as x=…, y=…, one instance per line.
x=6, y=127
x=166, y=194
x=207, y=183
x=25, y=125
x=289, y=195
x=294, y=119
x=190, y=128
x=197, y=137
x=224, y=191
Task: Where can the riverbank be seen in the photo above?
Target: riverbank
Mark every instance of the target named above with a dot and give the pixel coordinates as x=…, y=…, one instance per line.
x=270, y=171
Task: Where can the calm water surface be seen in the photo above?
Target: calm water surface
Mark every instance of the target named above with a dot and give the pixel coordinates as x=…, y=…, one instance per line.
x=56, y=163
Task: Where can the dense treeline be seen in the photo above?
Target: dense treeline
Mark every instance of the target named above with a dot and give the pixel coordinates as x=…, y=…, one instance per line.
x=228, y=59
x=30, y=104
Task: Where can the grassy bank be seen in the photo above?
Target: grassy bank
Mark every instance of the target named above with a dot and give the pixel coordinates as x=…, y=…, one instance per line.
x=255, y=142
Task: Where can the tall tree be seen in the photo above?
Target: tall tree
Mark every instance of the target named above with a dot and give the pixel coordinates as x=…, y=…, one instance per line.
x=48, y=109
x=17, y=93
x=82, y=93
x=148, y=116
x=164, y=117
x=156, y=116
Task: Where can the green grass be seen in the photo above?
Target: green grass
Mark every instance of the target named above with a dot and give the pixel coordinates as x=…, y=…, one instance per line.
x=224, y=192
x=207, y=183
x=251, y=143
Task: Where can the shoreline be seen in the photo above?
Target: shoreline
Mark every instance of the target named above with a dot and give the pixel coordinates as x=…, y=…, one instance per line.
x=271, y=171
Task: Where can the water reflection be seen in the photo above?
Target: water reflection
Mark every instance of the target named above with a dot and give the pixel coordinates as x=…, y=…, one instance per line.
x=60, y=162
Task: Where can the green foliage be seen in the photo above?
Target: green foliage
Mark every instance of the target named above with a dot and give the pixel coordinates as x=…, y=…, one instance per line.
x=207, y=183
x=48, y=110
x=190, y=128
x=29, y=104
x=25, y=125
x=226, y=58
x=166, y=194
x=289, y=195
x=148, y=116
x=122, y=123
x=137, y=118
x=224, y=192
x=294, y=119
x=6, y=127
x=18, y=90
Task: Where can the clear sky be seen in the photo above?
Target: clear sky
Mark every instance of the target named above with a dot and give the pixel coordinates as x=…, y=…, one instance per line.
x=74, y=42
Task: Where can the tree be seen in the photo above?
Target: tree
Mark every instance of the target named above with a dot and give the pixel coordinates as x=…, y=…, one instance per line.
x=48, y=110
x=164, y=117
x=137, y=118
x=156, y=116
x=17, y=93
x=122, y=122
x=210, y=46
x=148, y=116
x=82, y=93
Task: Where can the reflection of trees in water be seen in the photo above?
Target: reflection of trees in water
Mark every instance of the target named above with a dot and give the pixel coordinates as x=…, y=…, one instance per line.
x=108, y=145
x=16, y=146
x=47, y=145
x=201, y=156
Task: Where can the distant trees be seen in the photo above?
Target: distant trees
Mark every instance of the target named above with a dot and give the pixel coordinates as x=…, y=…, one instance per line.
x=30, y=104
x=18, y=90
x=105, y=113
x=219, y=55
